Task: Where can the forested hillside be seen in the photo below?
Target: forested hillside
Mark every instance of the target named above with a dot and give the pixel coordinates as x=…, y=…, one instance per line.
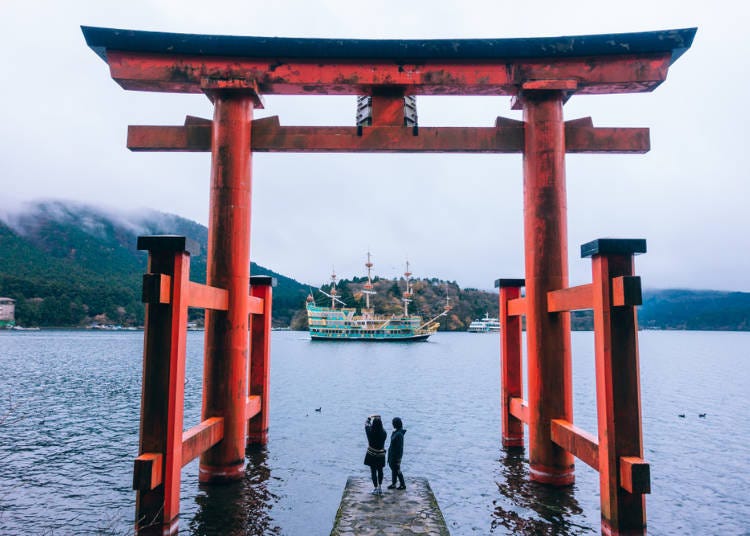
x=68, y=264
x=430, y=297
x=695, y=310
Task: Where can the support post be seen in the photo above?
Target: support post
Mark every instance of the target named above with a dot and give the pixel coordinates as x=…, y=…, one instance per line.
x=546, y=249
x=511, y=380
x=260, y=358
x=162, y=398
x=618, y=397
x=225, y=387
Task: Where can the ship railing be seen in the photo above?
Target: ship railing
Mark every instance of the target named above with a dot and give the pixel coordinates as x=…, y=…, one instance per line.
x=616, y=451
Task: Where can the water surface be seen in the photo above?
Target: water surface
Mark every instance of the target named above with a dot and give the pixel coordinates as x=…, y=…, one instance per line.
x=71, y=431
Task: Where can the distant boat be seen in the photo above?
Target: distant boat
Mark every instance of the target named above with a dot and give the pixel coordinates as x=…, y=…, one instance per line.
x=342, y=323
x=115, y=327
x=20, y=328
x=485, y=325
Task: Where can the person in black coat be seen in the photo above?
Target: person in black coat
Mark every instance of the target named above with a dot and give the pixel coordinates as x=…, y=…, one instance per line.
x=375, y=456
x=395, y=453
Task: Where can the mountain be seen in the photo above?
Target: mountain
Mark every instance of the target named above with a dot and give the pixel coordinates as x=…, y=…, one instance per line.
x=70, y=264
x=430, y=296
x=710, y=310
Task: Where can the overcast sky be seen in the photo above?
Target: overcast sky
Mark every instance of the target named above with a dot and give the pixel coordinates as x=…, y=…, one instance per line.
x=457, y=217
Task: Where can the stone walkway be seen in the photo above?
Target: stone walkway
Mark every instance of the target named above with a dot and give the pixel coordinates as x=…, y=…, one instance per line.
x=413, y=511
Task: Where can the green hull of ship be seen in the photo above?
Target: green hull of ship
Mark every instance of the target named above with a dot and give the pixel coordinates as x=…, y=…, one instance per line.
x=327, y=324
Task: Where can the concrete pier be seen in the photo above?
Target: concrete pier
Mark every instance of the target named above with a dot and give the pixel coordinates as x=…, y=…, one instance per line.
x=413, y=511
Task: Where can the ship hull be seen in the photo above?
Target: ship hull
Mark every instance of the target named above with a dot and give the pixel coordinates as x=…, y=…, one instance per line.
x=370, y=338
x=343, y=324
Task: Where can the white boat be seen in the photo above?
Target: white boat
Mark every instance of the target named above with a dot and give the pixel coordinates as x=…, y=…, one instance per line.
x=485, y=325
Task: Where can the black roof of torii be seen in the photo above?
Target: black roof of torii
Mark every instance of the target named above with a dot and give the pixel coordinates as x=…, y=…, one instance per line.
x=674, y=41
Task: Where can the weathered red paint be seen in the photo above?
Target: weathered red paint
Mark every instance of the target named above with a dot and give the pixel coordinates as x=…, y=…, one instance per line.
x=260, y=364
x=579, y=443
x=162, y=399
x=519, y=408
x=228, y=267
x=569, y=299
x=148, y=471
x=517, y=307
x=635, y=474
x=252, y=408
x=176, y=406
x=388, y=107
x=616, y=453
x=618, y=397
x=205, y=297
x=626, y=290
x=511, y=380
x=269, y=136
x=149, y=467
x=546, y=251
x=256, y=306
x=200, y=438
x=183, y=74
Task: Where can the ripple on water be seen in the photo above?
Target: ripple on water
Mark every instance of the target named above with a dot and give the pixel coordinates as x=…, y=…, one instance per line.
x=76, y=398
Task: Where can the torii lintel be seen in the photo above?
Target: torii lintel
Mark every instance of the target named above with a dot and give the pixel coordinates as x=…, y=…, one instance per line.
x=597, y=64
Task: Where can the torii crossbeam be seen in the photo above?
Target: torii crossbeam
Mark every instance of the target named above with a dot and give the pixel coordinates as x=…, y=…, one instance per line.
x=541, y=74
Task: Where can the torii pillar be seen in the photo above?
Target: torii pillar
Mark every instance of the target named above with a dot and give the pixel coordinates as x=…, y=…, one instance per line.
x=550, y=391
x=227, y=345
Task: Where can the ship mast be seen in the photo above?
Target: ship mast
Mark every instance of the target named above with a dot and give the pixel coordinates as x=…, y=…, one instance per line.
x=407, y=293
x=333, y=289
x=368, y=286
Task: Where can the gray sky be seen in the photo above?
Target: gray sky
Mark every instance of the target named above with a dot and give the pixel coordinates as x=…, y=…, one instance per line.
x=457, y=217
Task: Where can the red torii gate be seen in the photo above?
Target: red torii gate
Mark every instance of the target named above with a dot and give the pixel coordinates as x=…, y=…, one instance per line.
x=540, y=74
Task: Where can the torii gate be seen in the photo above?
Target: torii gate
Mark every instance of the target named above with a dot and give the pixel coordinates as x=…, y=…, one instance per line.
x=540, y=74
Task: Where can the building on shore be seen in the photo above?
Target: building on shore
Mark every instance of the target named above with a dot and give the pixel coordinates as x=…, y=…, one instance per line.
x=7, y=313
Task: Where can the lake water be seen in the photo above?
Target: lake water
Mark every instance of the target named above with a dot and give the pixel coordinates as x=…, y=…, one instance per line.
x=71, y=399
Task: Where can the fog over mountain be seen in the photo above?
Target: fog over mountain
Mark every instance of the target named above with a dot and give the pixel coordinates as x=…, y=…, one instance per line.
x=69, y=263
x=72, y=264
x=27, y=217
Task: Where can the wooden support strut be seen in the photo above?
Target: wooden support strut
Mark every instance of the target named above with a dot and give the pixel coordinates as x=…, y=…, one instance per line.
x=511, y=377
x=623, y=475
x=261, y=287
x=156, y=289
x=195, y=441
x=162, y=401
x=579, y=443
x=617, y=451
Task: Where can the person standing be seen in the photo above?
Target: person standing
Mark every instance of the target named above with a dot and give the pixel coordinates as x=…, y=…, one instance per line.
x=395, y=453
x=375, y=456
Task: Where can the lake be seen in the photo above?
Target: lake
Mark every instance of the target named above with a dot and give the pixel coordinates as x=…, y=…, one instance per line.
x=69, y=415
